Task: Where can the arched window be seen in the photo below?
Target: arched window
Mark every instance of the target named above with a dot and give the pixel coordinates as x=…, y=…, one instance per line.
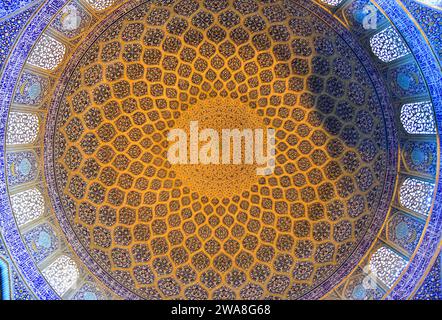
x=27, y=206
x=332, y=2
x=418, y=118
x=388, y=46
x=416, y=195
x=387, y=265
x=431, y=3
x=22, y=128
x=62, y=274
x=47, y=53
x=100, y=4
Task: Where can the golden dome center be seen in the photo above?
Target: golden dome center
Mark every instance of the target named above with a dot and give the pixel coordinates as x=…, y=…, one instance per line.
x=221, y=179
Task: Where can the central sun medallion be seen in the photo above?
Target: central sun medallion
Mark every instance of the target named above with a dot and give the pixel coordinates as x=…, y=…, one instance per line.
x=220, y=179
x=200, y=230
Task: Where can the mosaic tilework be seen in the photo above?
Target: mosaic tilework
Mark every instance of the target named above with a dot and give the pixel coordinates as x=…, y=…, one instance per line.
x=42, y=241
x=431, y=289
x=357, y=94
x=354, y=14
x=90, y=291
x=420, y=157
x=427, y=63
x=404, y=231
x=9, y=30
x=414, y=154
x=406, y=80
x=363, y=248
x=9, y=6
x=20, y=291
x=356, y=289
x=430, y=21
x=32, y=89
x=8, y=228
x=22, y=167
x=72, y=20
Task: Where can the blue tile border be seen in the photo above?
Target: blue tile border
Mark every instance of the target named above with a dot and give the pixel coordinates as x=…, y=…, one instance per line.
x=430, y=19
x=431, y=289
x=8, y=226
x=430, y=243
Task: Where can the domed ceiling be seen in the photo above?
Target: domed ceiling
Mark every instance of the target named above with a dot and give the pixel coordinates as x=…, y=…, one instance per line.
x=95, y=209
